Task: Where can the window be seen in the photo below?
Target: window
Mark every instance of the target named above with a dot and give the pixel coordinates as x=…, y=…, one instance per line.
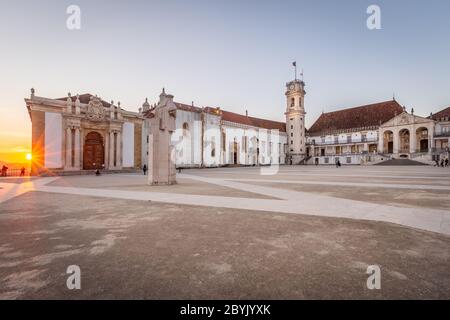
x=292, y=102
x=223, y=141
x=349, y=160
x=363, y=137
x=292, y=127
x=326, y=160
x=292, y=142
x=185, y=129
x=292, y=134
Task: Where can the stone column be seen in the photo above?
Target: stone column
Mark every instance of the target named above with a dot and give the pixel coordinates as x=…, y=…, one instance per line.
x=381, y=142
x=68, y=148
x=396, y=141
x=432, y=142
x=111, y=150
x=119, y=150
x=412, y=142
x=77, y=148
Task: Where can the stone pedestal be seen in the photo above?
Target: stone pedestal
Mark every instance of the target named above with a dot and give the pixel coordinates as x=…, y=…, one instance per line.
x=161, y=161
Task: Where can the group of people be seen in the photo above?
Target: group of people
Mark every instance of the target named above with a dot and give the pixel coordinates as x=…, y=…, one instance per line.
x=443, y=163
x=5, y=171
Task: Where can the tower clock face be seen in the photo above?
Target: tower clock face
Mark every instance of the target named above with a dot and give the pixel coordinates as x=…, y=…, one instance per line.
x=292, y=87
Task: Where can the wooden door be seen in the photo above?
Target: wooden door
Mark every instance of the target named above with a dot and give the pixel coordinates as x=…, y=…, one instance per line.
x=93, y=153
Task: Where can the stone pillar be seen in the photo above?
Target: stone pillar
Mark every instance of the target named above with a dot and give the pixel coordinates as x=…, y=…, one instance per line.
x=412, y=141
x=77, y=148
x=381, y=142
x=432, y=142
x=68, y=148
x=119, y=150
x=396, y=141
x=161, y=165
x=111, y=150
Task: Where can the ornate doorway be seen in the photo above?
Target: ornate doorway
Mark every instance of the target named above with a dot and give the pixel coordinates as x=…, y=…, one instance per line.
x=404, y=141
x=235, y=153
x=93, y=152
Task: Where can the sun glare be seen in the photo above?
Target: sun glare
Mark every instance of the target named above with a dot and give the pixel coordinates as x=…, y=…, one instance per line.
x=28, y=156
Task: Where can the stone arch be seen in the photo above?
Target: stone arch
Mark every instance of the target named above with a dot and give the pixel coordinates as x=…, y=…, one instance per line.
x=422, y=139
x=404, y=138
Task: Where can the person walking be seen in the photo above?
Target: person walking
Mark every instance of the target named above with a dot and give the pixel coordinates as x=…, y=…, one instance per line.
x=144, y=168
x=442, y=163
x=22, y=172
x=446, y=162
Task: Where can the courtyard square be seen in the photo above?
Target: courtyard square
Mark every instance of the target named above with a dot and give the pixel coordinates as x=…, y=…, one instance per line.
x=229, y=233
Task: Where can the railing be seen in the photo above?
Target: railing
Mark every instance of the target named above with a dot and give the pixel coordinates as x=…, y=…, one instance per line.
x=442, y=134
x=321, y=143
x=345, y=154
x=439, y=150
x=14, y=172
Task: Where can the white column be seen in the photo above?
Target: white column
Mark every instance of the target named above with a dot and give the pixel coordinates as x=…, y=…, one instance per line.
x=119, y=150
x=432, y=142
x=111, y=150
x=77, y=148
x=68, y=147
x=381, y=141
x=412, y=142
x=396, y=141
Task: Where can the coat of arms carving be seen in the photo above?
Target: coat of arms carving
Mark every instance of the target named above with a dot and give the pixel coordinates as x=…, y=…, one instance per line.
x=95, y=110
x=404, y=119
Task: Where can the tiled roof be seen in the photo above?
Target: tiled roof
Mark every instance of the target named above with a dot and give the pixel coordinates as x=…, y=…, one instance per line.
x=443, y=114
x=187, y=107
x=254, y=122
x=235, y=117
x=366, y=116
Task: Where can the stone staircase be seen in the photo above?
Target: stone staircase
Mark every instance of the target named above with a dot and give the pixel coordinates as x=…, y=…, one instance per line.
x=400, y=162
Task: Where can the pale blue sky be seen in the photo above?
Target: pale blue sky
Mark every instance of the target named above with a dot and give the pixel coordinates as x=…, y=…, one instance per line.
x=233, y=54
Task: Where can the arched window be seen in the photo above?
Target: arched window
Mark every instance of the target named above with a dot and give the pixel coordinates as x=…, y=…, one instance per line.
x=292, y=102
x=185, y=129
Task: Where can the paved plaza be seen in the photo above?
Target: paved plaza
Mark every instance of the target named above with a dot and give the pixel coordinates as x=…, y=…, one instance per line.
x=229, y=233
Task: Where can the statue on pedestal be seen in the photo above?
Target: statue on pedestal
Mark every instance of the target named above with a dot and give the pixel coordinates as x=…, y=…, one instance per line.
x=161, y=166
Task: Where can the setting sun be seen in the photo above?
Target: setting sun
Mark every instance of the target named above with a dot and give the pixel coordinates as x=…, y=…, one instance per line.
x=28, y=156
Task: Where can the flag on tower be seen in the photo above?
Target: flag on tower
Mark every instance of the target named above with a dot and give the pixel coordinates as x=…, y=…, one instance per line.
x=294, y=63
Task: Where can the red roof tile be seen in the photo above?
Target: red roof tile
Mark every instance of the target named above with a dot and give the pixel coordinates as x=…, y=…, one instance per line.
x=235, y=117
x=254, y=122
x=443, y=114
x=366, y=116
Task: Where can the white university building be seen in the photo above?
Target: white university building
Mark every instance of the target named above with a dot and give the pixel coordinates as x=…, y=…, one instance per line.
x=80, y=133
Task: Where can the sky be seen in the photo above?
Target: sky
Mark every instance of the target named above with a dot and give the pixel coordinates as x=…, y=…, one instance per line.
x=233, y=54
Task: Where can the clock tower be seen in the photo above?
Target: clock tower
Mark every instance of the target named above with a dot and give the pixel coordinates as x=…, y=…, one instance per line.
x=295, y=121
